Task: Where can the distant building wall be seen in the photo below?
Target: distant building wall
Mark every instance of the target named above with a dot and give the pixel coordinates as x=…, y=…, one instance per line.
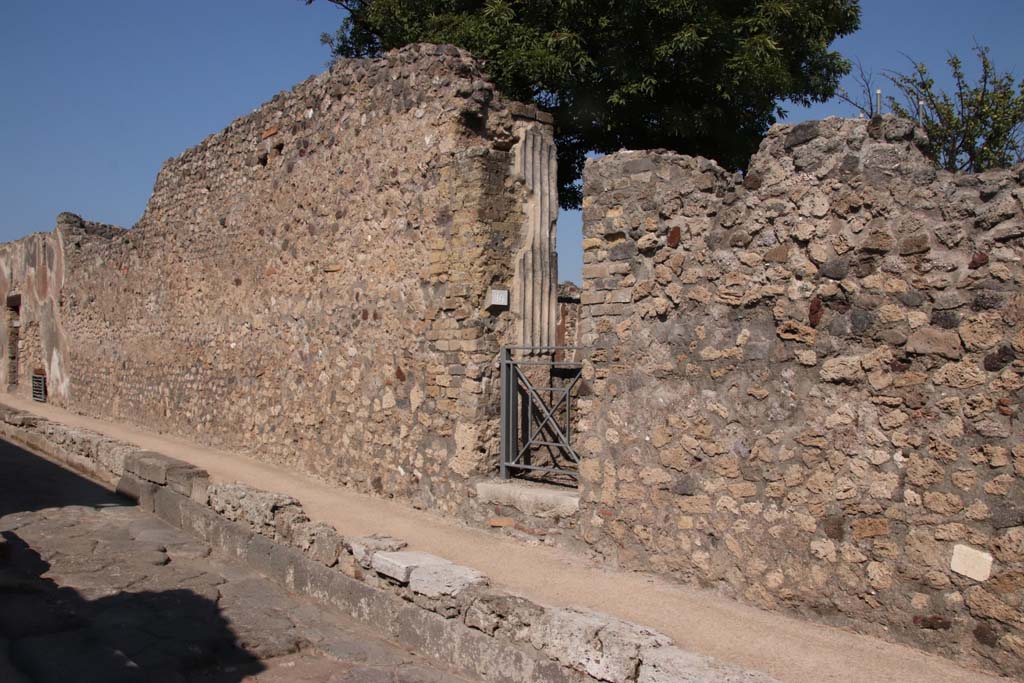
x=31, y=277
x=806, y=383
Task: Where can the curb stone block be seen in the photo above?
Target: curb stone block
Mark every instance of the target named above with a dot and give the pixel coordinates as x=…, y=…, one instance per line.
x=138, y=490
x=111, y=456
x=21, y=419
x=596, y=644
x=278, y=562
x=471, y=650
x=444, y=580
x=399, y=565
x=288, y=521
x=180, y=478
x=319, y=541
x=150, y=466
x=260, y=509
x=498, y=612
x=201, y=489
x=167, y=506
x=363, y=548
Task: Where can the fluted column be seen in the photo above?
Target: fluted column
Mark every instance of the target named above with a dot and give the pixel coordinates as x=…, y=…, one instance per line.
x=535, y=288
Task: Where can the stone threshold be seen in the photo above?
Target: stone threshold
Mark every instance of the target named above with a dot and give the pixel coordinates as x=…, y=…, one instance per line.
x=530, y=498
x=423, y=601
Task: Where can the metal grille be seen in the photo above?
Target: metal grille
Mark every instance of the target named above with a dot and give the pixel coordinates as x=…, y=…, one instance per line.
x=38, y=387
x=537, y=391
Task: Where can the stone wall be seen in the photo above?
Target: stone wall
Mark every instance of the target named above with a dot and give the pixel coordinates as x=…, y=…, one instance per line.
x=802, y=386
x=31, y=277
x=567, y=327
x=806, y=382
x=309, y=285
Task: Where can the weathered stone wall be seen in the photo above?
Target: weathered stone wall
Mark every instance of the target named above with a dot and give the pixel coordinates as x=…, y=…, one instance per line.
x=803, y=385
x=31, y=277
x=806, y=383
x=309, y=284
x=567, y=327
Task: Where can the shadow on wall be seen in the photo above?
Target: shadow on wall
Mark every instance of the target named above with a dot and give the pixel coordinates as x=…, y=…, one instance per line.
x=53, y=633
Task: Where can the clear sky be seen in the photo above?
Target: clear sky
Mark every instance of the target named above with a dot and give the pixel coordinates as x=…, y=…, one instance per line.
x=96, y=95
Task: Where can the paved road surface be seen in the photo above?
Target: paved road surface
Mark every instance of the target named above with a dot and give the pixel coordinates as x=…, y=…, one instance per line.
x=94, y=590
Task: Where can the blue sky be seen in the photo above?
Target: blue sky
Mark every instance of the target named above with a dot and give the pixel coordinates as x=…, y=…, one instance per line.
x=96, y=95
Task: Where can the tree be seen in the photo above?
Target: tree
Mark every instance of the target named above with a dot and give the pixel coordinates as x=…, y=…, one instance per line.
x=977, y=127
x=695, y=76
x=863, y=98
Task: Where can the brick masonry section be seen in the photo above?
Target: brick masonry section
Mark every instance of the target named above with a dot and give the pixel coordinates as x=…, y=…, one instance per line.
x=423, y=601
x=806, y=382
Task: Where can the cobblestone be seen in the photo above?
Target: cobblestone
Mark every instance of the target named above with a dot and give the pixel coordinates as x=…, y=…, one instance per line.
x=96, y=590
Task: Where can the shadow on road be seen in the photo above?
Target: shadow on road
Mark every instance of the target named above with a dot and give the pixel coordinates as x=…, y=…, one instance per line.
x=29, y=482
x=50, y=633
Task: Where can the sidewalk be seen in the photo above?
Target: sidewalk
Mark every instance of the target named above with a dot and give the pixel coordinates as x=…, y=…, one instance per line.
x=792, y=650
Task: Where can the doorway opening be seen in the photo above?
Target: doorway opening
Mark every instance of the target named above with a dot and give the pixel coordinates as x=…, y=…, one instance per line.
x=13, y=338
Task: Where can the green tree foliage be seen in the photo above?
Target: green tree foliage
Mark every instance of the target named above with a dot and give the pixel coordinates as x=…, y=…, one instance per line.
x=976, y=127
x=698, y=76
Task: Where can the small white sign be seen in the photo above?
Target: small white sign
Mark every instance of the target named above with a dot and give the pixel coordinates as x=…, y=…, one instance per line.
x=497, y=298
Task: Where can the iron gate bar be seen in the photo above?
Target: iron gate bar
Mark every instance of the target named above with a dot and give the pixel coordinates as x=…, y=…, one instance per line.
x=548, y=417
x=517, y=390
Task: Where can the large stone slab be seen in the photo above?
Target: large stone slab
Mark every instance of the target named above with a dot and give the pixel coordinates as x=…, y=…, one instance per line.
x=531, y=499
x=363, y=548
x=592, y=643
x=444, y=580
x=153, y=466
x=399, y=565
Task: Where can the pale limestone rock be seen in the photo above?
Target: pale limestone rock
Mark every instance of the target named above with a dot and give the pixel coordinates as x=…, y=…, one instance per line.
x=399, y=565
x=596, y=644
x=971, y=562
x=444, y=580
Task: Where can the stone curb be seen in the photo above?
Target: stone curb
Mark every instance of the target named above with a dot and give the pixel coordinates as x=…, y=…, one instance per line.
x=423, y=601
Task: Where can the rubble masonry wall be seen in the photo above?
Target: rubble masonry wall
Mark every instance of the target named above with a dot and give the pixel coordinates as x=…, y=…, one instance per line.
x=806, y=382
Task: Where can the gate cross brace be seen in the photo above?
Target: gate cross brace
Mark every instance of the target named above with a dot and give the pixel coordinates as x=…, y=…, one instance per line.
x=548, y=417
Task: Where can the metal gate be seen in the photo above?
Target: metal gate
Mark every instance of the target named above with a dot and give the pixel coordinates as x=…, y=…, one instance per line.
x=537, y=390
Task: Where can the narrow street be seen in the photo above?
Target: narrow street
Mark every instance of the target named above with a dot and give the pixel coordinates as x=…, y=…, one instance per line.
x=94, y=590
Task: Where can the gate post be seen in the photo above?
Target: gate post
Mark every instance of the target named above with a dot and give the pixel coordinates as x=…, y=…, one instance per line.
x=505, y=359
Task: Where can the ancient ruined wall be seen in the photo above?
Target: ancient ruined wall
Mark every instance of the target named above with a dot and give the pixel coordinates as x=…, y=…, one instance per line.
x=31, y=272
x=309, y=285
x=568, y=314
x=806, y=383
